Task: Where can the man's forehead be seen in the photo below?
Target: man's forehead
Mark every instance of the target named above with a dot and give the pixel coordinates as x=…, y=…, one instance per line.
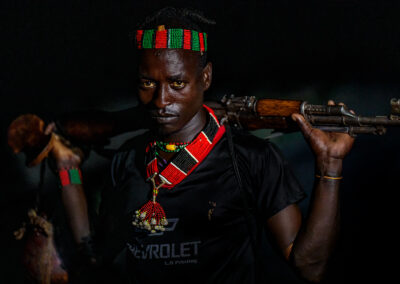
x=168, y=58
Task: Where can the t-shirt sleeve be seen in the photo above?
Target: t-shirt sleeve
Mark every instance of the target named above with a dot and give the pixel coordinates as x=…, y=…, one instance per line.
x=276, y=185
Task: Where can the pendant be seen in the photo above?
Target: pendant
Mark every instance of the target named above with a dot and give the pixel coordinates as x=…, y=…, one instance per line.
x=151, y=216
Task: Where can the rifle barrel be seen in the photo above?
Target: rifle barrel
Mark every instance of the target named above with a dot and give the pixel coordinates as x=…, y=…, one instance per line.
x=353, y=121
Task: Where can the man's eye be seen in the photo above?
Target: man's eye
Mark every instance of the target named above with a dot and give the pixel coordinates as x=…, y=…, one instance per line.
x=148, y=84
x=178, y=84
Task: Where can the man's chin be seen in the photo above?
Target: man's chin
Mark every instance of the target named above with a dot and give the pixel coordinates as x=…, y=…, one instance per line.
x=164, y=129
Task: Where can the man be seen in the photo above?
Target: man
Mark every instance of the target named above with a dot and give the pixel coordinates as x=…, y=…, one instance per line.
x=175, y=189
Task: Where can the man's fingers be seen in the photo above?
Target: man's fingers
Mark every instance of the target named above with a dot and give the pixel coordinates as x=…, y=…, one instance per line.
x=332, y=103
x=342, y=104
x=50, y=128
x=305, y=127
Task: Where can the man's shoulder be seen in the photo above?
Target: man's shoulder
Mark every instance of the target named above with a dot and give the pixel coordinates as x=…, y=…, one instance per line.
x=247, y=142
x=254, y=152
x=133, y=145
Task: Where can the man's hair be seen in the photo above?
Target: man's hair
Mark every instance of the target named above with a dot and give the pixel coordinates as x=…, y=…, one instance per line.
x=182, y=18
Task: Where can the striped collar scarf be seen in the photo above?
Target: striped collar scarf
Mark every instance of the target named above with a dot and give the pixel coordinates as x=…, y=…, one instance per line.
x=184, y=162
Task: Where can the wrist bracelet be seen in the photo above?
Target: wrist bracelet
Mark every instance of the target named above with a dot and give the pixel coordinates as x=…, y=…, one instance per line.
x=329, y=177
x=70, y=176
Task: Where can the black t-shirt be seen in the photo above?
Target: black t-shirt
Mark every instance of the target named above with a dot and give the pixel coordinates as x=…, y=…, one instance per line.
x=207, y=239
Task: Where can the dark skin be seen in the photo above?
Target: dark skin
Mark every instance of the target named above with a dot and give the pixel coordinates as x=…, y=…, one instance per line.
x=171, y=83
x=308, y=246
x=171, y=86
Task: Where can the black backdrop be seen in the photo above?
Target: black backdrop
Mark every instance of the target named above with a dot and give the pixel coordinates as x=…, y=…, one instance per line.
x=61, y=56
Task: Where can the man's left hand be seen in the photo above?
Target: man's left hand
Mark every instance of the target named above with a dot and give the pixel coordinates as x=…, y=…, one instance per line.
x=330, y=148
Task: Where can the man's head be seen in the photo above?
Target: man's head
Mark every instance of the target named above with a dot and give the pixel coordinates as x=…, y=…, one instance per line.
x=172, y=80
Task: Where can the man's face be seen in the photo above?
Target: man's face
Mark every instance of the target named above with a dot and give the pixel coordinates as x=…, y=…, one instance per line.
x=171, y=86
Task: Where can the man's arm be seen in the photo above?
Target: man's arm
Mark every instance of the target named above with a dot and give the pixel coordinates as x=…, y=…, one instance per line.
x=308, y=245
x=74, y=199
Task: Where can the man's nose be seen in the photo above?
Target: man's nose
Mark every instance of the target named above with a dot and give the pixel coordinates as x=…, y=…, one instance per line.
x=161, y=97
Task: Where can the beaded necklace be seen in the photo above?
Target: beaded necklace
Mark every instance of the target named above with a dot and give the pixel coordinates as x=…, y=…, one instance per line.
x=170, y=147
x=151, y=216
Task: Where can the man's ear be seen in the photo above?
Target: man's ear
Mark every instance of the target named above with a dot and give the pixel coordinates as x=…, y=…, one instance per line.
x=207, y=76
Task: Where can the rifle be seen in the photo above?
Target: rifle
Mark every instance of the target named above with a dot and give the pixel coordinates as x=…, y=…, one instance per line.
x=96, y=127
x=244, y=112
x=251, y=114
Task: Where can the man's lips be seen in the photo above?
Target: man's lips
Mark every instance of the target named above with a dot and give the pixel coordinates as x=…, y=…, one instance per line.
x=163, y=115
x=164, y=118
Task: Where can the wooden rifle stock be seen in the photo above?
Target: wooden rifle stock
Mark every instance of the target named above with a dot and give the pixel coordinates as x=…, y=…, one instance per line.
x=275, y=107
x=251, y=114
x=96, y=127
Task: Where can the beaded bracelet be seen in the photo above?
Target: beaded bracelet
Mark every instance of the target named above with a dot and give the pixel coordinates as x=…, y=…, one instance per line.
x=329, y=177
x=70, y=176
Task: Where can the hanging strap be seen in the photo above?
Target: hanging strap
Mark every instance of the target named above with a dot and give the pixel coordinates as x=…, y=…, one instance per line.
x=248, y=212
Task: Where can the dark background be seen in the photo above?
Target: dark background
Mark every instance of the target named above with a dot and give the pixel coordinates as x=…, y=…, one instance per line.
x=61, y=56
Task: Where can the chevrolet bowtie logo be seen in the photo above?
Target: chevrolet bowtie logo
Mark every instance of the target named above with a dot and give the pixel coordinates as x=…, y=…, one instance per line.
x=169, y=228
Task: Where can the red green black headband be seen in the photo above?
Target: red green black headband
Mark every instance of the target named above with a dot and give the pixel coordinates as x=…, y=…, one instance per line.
x=171, y=38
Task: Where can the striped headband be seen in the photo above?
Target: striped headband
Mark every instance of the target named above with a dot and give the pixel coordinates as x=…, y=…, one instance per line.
x=171, y=38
